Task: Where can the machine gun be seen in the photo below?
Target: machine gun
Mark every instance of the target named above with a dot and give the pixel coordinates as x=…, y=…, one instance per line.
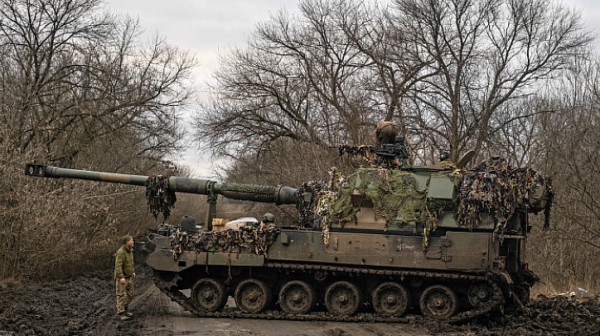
x=388, y=155
x=249, y=192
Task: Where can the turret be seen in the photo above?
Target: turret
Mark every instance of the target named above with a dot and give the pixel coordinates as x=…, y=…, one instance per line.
x=248, y=192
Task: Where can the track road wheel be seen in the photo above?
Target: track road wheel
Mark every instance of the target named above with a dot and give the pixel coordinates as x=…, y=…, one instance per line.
x=209, y=295
x=390, y=299
x=297, y=297
x=343, y=298
x=252, y=296
x=439, y=302
x=480, y=294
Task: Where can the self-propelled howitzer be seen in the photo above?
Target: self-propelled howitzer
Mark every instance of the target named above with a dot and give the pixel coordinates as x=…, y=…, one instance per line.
x=392, y=241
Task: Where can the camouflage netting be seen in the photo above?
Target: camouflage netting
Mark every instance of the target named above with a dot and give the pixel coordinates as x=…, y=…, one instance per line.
x=254, y=239
x=160, y=198
x=393, y=193
x=493, y=188
x=314, y=199
x=496, y=188
x=357, y=156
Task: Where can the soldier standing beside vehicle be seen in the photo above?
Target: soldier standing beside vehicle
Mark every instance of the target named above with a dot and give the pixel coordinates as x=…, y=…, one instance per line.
x=124, y=274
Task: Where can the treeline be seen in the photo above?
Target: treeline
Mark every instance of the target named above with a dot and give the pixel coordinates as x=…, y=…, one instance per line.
x=507, y=78
x=80, y=89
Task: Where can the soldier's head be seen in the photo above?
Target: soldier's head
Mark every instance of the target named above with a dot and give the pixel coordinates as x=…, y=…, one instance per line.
x=386, y=132
x=444, y=156
x=127, y=241
x=268, y=218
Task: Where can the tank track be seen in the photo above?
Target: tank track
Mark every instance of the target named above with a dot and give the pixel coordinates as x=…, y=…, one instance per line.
x=497, y=299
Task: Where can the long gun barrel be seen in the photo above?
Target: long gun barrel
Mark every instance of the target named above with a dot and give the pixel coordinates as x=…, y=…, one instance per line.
x=249, y=192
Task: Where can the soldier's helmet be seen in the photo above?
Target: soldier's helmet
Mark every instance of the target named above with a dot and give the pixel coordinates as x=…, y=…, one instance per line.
x=268, y=218
x=444, y=156
x=386, y=132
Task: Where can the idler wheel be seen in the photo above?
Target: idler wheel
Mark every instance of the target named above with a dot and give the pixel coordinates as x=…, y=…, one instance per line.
x=297, y=297
x=480, y=293
x=439, y=302
x=252, y=296
x=343, y=298
x=209, y=295
x=390, y=299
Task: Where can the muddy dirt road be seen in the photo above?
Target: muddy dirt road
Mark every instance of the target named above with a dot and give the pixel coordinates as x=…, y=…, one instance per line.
x=85, y=306
x=160, y=316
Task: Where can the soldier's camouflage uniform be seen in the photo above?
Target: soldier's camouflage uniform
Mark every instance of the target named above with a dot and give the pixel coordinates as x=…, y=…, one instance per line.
x=124, y=269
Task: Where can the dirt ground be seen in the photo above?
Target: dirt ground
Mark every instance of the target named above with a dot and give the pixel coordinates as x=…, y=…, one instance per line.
x=85, y=306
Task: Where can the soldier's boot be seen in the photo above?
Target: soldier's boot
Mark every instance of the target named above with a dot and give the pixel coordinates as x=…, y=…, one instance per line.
x=123, y=317
x=129, y=314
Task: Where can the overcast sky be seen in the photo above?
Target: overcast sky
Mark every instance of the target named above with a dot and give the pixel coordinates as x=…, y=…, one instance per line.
x=209, y=28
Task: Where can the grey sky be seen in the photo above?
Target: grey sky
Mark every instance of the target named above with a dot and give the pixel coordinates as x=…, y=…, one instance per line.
x=590, y=13
x=204, y=28
x=209, y=28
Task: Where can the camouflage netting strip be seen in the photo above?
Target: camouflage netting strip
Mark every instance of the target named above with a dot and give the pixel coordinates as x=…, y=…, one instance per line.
x=549, y=201
x=496, y=188
x=307, y=203
x=358, y=156
x=315, y=212
x=393, y=193
x=255, y=240
x=159, y=198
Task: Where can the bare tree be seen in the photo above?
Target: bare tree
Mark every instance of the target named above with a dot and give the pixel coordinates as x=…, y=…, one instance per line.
x=445, y=70
x=73, y=75
x=564, y=143
x=485, y=53
x=394, y=59
x=78, y=88
x=325, y=77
